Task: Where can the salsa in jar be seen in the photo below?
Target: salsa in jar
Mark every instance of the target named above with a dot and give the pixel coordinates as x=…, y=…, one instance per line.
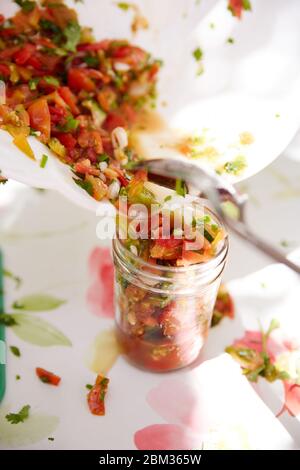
x=166, y=283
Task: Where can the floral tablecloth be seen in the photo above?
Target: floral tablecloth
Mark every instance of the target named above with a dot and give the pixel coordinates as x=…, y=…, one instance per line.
x=59, y=286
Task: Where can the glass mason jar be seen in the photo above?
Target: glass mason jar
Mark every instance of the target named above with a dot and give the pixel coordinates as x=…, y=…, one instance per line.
x=163, y=313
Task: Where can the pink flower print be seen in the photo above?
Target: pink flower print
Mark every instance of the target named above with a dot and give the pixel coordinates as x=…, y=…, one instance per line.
x=165, y=437
x=291, y=399
x=100, y=294
x=175, y=402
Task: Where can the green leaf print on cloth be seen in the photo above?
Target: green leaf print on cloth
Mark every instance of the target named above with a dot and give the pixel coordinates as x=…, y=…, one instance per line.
x=37, y=303
x=38, y=426
x=36, y=331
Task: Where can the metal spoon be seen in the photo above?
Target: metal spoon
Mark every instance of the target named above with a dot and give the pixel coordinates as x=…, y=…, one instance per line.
x=229, y=204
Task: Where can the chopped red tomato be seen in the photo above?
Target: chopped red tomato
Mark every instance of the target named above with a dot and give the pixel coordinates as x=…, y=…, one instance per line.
x=131, y=55
x=57, y=113
x=237, y=6
x=113, y=120
x=8, y=52
x=96, y=396
x=22, y=56
x=8, y=33
x=78, y=80
x=168, y=321
x=47, y=377
x=166, y=248
x=66, y=139
x=95, y=46
x=129, y=114
x=107, y=98
x=4, y=70
x=69, y=98
x=40, y=119
x=34, y=62
x=124, y=182
x=153, y=71
x=85, y=168
x=87, y=138
x=2, y=19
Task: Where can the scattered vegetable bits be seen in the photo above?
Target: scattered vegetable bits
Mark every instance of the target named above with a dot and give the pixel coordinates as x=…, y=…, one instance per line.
x=20, y=417
x=254, y=358
x=47, y=377
x=96, y=396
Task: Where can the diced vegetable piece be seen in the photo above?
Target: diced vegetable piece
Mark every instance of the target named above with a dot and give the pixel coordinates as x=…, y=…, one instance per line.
x=97, y=113
x=96, y=396
x=47, y=377
x=79, y=80
x=40, y=119
x=57, y=147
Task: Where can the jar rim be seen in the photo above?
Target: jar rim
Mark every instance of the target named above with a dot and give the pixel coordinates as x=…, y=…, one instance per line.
x=198, y=267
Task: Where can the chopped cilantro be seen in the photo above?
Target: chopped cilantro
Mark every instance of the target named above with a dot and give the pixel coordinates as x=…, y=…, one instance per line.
x=7, y=319
x=230, y=40
x=72, y=35
x=123, y=6
x=104, y=381
x=89, y=386
x=15, y=418
x=198, y=54
x=102, y=158
x=44, y=379
x=51, y=80
x=18, y=377
x=180, y=187
x=12, y=276
x=44, y=161
x=70, y=125
x=34, y=133
x=91, y=61
x=33, y=83
x=208, y=236
x=118, y=80
x=247, y=5
x=15, y=351
x=236, y=166
x=86, y=185
x=55, y=51
x=26, y=5
x=168, y=198
x=49, y=26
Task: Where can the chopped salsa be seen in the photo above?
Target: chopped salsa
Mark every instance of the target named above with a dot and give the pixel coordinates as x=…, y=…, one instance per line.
x=72, y=92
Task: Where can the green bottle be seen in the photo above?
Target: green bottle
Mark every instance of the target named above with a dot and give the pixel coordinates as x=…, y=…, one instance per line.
x=2, y=336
